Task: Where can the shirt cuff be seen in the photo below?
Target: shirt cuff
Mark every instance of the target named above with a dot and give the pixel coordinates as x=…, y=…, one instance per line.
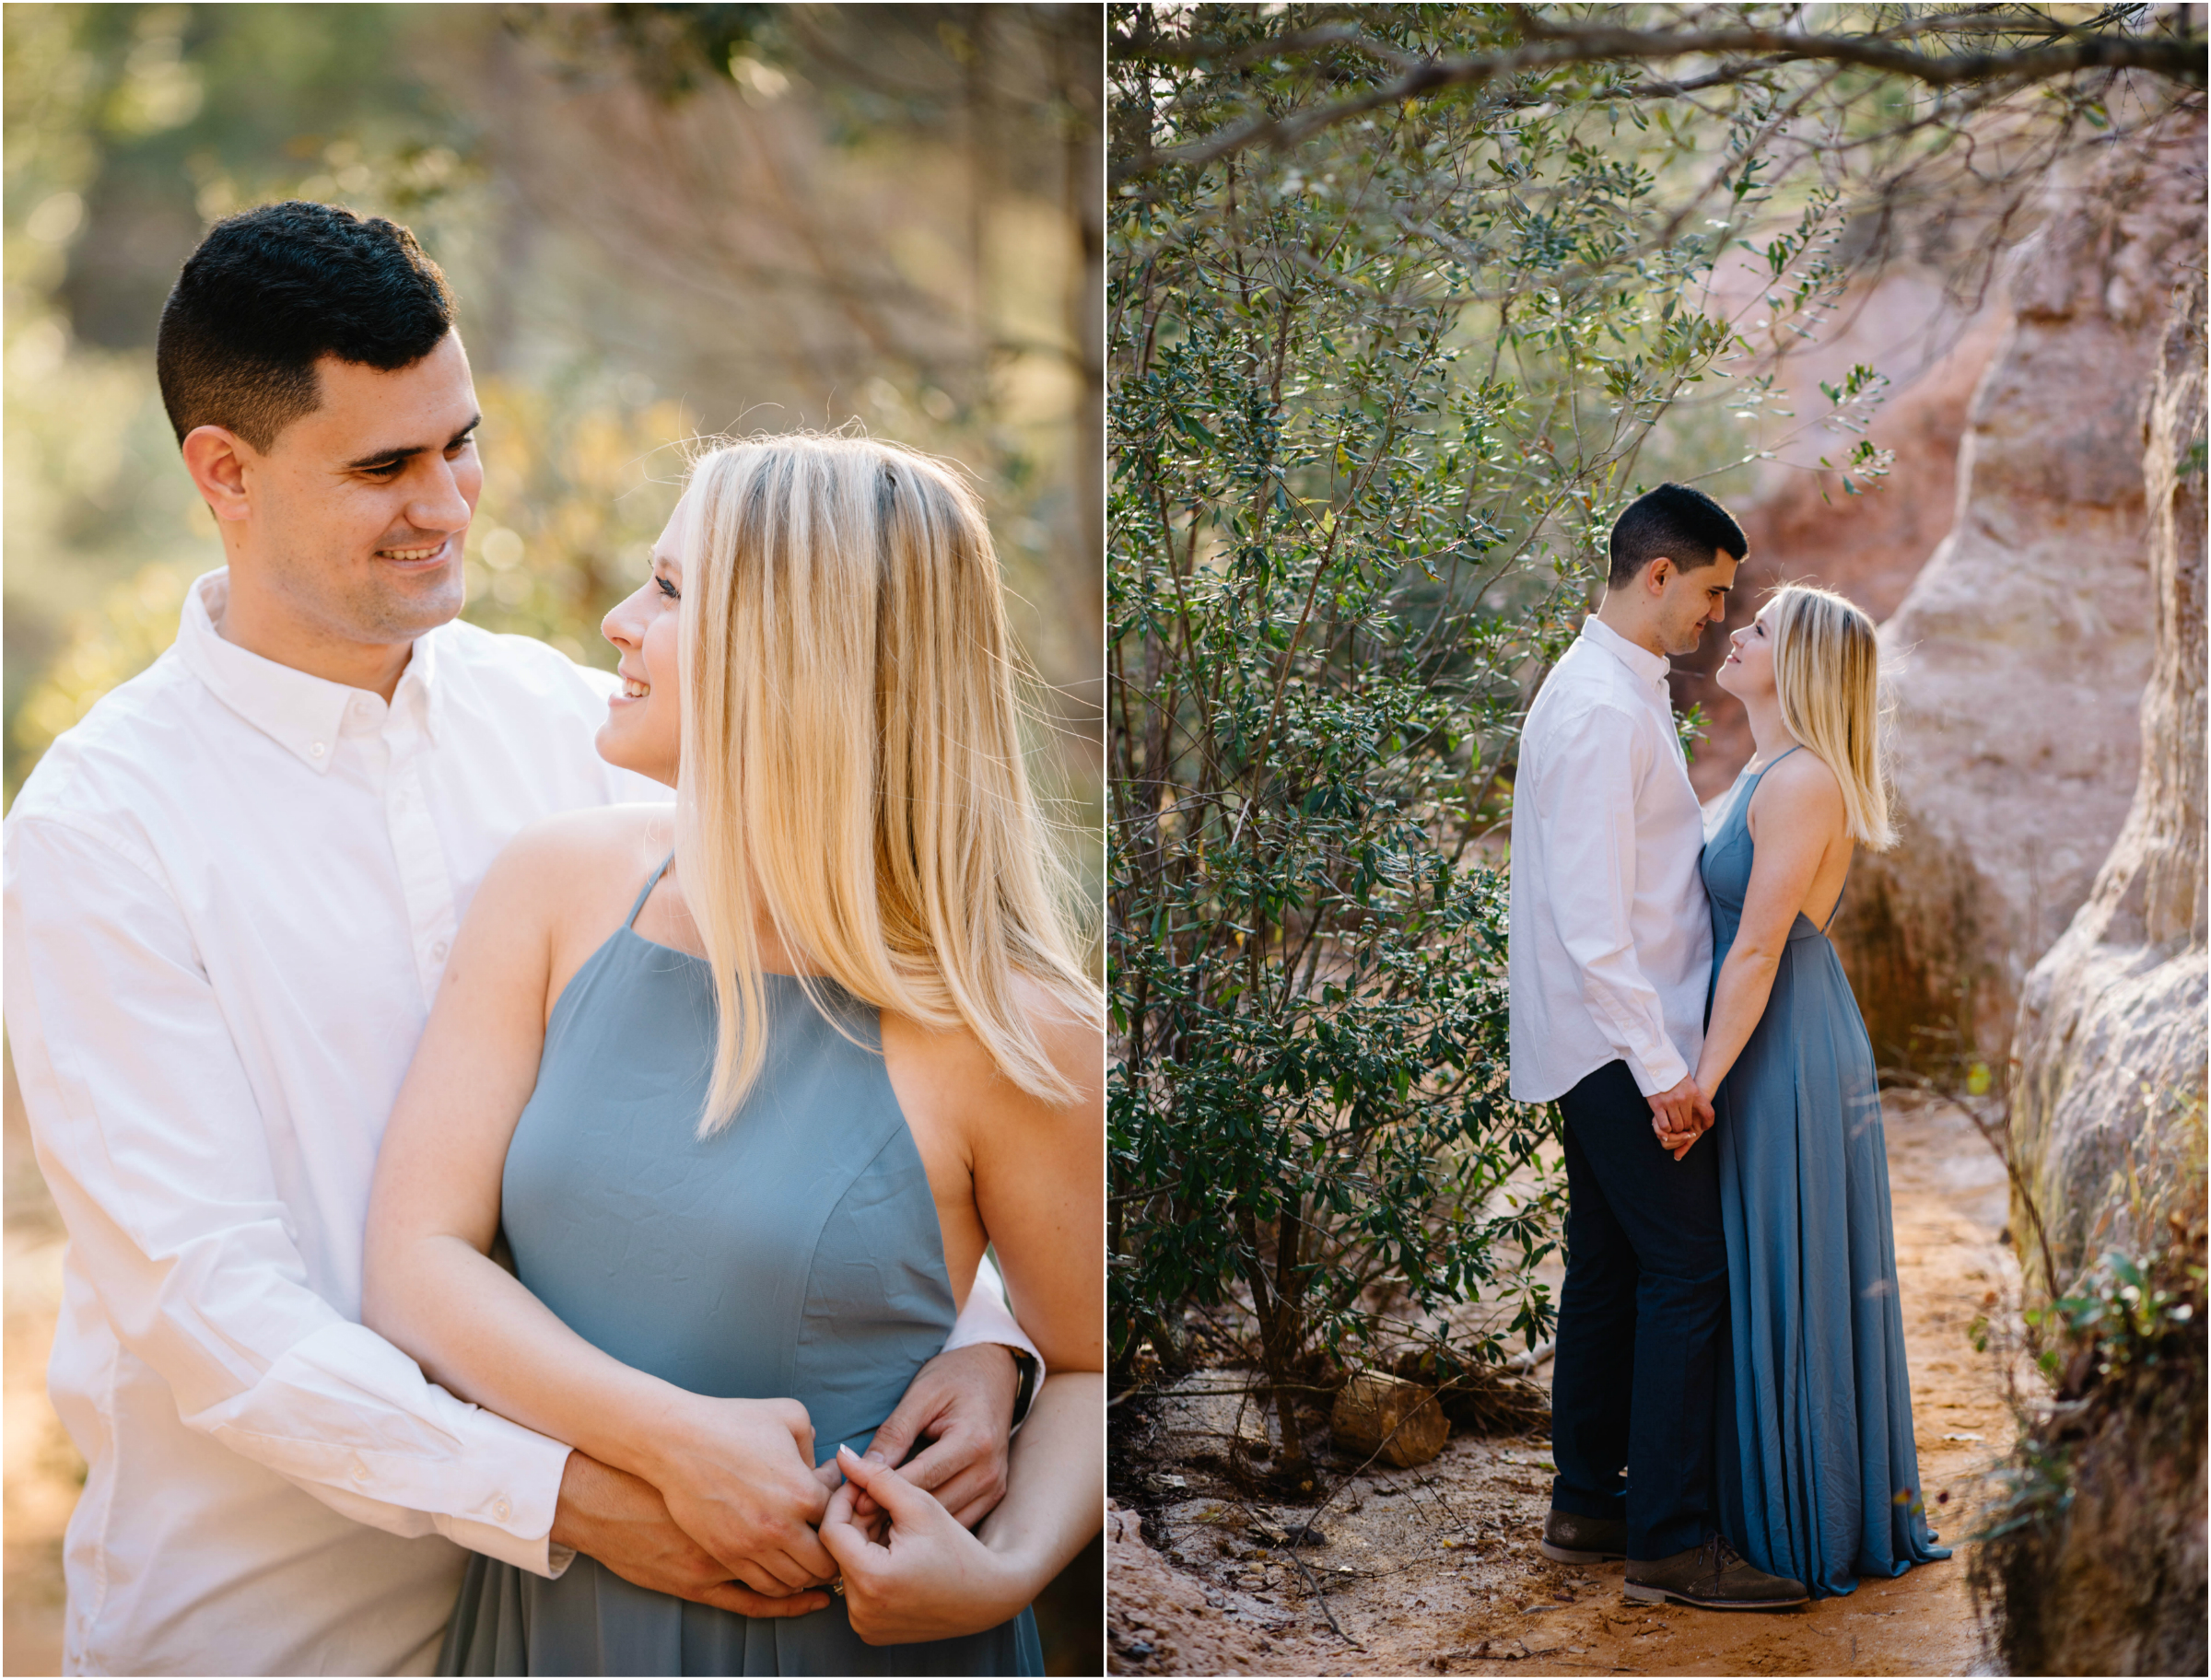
x=986, y=1319
x=540, y=1556
x=1652, y=1080
x=536, y=1553
x=337, y=1390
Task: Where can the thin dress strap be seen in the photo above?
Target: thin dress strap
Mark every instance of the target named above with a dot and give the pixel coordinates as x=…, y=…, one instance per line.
x=1839, y=891
x=1797, y=748
x=630, y=920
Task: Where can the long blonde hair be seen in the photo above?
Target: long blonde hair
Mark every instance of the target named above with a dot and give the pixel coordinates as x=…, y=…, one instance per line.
x=1827, y=673
x=853, y=767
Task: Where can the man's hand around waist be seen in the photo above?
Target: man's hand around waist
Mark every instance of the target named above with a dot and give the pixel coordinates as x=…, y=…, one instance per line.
x=965, y=1400
x=621, y=1520
x=961, y=1401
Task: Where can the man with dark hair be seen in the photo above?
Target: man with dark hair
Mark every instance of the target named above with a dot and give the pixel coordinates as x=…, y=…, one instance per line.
x=230, y=892
x=1610, y=961
x=1677, y=523
x=320, y=281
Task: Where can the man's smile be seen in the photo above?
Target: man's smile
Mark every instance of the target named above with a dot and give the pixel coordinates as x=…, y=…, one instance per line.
x=416, y=556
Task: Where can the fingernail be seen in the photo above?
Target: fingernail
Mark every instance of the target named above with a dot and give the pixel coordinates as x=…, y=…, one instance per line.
x=877, y=1458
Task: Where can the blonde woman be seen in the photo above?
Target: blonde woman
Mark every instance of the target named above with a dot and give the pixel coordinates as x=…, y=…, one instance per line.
x=1819, y=1479
x=749, y=1088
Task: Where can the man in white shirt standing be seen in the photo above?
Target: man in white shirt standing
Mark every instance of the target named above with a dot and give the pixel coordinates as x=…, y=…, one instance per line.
x=229, y=895
x=1611, y=964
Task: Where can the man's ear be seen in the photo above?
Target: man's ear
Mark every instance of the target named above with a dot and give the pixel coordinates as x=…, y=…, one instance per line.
x=1659, y=574
x=217, y=459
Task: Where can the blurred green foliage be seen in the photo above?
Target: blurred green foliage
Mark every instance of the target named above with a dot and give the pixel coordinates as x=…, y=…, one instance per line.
x=661, y=221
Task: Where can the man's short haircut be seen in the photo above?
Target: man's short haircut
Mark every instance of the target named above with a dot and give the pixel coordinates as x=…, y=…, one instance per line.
x=271, y=290
x=1685, y=526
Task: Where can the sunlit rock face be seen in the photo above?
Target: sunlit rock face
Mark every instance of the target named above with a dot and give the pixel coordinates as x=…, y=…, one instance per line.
x=2019, y=656
x=1803, y=525
x=2107, y=1114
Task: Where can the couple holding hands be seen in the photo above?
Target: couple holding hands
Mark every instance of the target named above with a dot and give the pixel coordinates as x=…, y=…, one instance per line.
x=522, y=1219
x=1730, y=1339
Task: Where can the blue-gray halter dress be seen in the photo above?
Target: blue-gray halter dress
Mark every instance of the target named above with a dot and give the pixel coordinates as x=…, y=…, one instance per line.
x=1819, y=1476
x=795, y=1253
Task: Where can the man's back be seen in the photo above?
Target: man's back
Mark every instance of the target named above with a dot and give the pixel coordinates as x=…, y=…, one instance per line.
x=1611, y=939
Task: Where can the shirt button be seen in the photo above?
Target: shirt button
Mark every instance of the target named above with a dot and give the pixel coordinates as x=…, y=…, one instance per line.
x=502, y=1510
x=360, y=1471
x=438, y=950
x=316, y=749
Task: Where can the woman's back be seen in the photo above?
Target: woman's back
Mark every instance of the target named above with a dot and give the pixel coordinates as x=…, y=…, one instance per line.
x=1819, y=1470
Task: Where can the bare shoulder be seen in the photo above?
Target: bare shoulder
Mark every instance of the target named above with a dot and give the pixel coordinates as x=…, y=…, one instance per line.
x=560, y=867
x=1075, y=1041
x=1804, y=778
x=960, y=1066
x=1800, y=792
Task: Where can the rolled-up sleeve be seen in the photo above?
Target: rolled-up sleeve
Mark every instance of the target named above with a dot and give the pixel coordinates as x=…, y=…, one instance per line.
x=147, y=1132
x=1584, y=816
x=987, y=1321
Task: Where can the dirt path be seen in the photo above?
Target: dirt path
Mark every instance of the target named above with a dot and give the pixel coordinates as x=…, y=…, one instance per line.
x=1434, y=1570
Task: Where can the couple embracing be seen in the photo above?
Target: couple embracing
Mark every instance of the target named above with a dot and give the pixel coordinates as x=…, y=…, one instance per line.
x=521, y=1222
x=1731, y=1412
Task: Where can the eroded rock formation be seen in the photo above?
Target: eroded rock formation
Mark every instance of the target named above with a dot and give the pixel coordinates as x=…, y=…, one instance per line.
x=2020, y=652
x=2107, y=1114
x=1804, y=528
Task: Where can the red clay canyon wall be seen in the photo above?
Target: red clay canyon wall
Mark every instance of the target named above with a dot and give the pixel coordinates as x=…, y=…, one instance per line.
x=1804, y=528
x=2007, y=558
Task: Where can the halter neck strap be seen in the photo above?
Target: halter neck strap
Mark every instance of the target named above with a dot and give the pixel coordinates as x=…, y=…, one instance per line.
x=630, y=920
x=1797, y=748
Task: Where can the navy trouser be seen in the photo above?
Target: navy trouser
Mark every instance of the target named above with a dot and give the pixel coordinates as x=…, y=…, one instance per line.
x=1641, y=1325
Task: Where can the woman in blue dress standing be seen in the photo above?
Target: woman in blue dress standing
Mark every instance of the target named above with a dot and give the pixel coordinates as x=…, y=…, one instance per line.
x=749, y=1084
x=1819, y=1476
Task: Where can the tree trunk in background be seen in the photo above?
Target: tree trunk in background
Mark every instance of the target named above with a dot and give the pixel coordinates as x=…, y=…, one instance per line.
x=2107, y=1116
x=1083, y=162
x=2020, y=652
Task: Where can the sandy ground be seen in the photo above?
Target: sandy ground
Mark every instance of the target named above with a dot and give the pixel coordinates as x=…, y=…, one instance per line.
x=1434, y=1570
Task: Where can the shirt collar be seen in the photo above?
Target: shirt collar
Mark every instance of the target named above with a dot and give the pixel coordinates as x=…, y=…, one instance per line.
x=1642, y=664
x=418, y=684
x=302, y=713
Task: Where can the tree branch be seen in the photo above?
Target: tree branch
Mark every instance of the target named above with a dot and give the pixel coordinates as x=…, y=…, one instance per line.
x=2181, y=59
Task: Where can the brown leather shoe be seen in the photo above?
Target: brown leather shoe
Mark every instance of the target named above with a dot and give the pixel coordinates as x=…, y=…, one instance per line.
x=1712, y=1577
x=1570, y=1539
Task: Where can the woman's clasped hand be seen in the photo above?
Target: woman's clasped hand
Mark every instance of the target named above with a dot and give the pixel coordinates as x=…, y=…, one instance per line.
x=911, y=1571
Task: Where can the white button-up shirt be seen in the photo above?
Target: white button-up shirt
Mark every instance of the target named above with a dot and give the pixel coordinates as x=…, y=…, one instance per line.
x=229, y=894
x=1612, y=935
